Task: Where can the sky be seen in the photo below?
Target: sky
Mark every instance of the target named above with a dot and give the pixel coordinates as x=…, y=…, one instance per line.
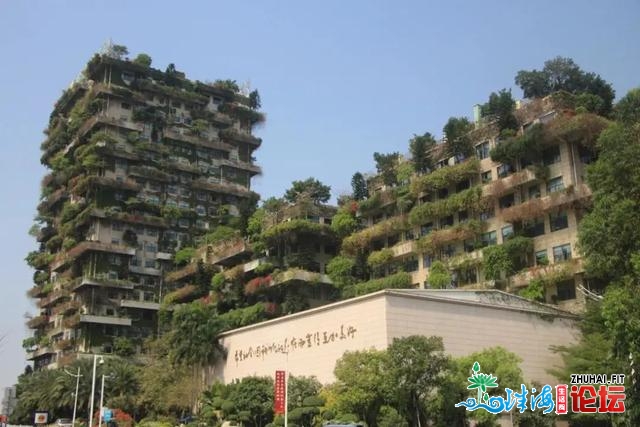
x=339, y=80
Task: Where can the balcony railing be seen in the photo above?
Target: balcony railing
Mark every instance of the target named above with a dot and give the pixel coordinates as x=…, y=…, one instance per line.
x=37, y=322
x=102, y=281
x=568, y=268
x=41, y=351
x=144, y=305
x=218, y=254
x=533, y=208
x=53, y=297
x=197, y=140
x=83, y=247
x=504, y=185
x=66, y=308
x=105, y=320
x=241, y=136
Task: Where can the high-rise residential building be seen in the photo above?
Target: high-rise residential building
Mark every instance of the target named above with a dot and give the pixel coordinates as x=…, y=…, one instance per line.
x=9, y=401
x=142, y=163
x=522, y=192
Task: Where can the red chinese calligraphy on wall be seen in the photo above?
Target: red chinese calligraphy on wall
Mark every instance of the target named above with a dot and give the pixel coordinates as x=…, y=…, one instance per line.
x=279, y=393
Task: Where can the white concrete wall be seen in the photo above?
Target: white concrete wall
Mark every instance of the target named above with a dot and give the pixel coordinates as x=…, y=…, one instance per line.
x=377, y=320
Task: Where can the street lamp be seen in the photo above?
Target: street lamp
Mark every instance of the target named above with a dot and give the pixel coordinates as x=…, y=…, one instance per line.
x=96, y=357
x=75, y=403
x=102, y=399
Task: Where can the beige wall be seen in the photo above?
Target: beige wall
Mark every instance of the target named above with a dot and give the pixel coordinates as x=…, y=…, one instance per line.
x=469, y=328
x=377, y=320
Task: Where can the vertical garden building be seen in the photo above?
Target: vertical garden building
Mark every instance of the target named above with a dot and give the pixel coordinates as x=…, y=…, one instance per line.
x=142, y=163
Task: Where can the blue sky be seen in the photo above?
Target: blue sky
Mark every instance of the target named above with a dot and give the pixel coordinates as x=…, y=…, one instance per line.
x=339, y=80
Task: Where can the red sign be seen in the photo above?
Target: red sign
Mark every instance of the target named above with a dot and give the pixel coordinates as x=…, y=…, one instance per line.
x=279, y=393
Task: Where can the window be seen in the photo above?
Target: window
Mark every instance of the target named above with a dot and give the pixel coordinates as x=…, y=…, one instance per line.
x=119, y=196
x=461, y=186
x=134, y=261
x=125, y=106
x=541, y=257
x=203, y=225
x=112, y=275
x=151, y=247
x=489, y=213
x=172, y=189
x=426, y=261
x=171, y=235
x=184, y=205
x=154, y=186
x=216, y=101
x=482, y=150
x=116, y=226
x=153, y=232
x=489, y=238
x=566, y=290
x=213, y=211
x=172, y=202
x=409, y=235
x=446, y=222
x=507, y=201
x=504, y=170
x=115, y=241
x=486, y=177
x=121, y=164
x=443, y=193
x=463, y=216
x=562, y=253
x=202, y=196
x=150, y=263
x=534, y=192
x=533, y=228
x=154, y=200
x=115, y=260
x=555, y=184
x=183, y=223
x=551, y=155
x=411, y=264
x=201, y=210
x=426, y=229
x=558, y=221
x=469, y=245
x=507, y=232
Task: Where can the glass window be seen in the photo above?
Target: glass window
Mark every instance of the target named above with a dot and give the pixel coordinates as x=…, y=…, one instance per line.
x=534, y=192
x=115, y=241
x=443, y=193
x=446, y=221
x=151, y=247
x=201, y=210
x=184, y=205
x=134, y=261
x=504, y=170
x=489, y=213
x=150, y=263
x=507, y=201
x=411, y=264
x=558, y=221
x=533, y=228
x=541, y=257
x=426, y=229
x=202, y=195
x=551, y=155
x=153, y=232
x=463, y=216
x=507, y=232
x=486, y=177
x=489, y=238
x=203, y=225
x=482, y=150
x=116, y=226
x=562, y=253
x=183, y=223
x=172, y=202
x=464, y=185
x=426, y=261
x=555, y=184
x=112, y=275
x=566, y=291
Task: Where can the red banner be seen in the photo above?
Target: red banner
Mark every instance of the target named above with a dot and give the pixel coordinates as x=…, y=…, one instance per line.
x=279, y=393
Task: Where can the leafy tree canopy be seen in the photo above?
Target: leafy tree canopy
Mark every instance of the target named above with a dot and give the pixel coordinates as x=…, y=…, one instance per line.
x=143, y=59
x=500, y=107
x=311, y=188
x=420, y=148
x=386, y=166
x=359, y=187
x=458, y=142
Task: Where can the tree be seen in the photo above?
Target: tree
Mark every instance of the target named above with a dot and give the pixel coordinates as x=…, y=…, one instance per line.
x=143, y=59
x=193, y=337
x=300, y=388
x=312, y=188
x=420, y=148
x=360, y=384
x=119, y=51
x=359, y=187
x=610, y=233
x=249, y=400
x=458, y=142
x=386, y=166
x=254, y=100
x=340, y=270
x=562, y=74
x=439, y=276
x=500, y=107
x=343, y=223
x=415, y=367
x=627, y=109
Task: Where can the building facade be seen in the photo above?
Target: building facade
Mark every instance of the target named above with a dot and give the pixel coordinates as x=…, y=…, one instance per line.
x=143, y=163
x=526, y=192
x=310, y=342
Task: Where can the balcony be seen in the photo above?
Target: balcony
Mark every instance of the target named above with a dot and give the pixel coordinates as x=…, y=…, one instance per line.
x=125, y=184
x=38, y=322
x=227, y=252
x=221, y=187
x=102, y=119
x=41, y=351
x=558, y=270
x=143, y=305
x=298, y=275
x=104, y=282
x=105, y=320
x=164, y=256
x=150, y=271
x=254, y=169
x=404, y=248
x=534, y=208
x=155, y=221
x=196, y=140
x=86, y=246
x=53, y=297
x=64, y=344
x=67, y=308
x=504, y=185
x=37, y=292
x=71, y=322
x=241, y=136
x=56, y=330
